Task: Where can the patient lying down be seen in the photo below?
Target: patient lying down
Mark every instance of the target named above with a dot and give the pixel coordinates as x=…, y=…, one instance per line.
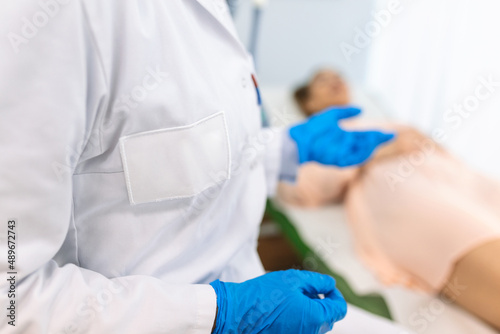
x=420, y=217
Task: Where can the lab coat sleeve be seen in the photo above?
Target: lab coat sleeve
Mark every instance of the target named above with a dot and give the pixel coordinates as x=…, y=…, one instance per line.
x=272, y=158
x=52, y=86
x=289, y=159
x=281, y=158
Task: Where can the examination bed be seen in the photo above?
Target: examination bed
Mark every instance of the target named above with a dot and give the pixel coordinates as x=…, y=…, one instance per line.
x=321, y=236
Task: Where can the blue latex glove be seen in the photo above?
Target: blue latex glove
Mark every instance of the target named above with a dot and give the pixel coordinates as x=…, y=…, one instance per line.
x=281, y=302
x=322, y=140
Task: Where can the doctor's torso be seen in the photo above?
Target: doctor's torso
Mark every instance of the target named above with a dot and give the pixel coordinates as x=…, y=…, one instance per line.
x=160, y=184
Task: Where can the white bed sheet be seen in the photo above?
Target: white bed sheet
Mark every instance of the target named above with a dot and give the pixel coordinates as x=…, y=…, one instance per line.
x=326, y=232
x=361, y=322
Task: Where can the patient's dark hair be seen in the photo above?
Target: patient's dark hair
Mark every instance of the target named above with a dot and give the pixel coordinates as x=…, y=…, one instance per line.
x=301, y=95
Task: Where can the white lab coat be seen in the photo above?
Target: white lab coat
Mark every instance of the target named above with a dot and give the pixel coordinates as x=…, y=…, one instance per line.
x=132, y=159
x=133, y=162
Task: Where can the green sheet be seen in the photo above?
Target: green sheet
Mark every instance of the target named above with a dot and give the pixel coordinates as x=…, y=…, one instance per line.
x=373, y=303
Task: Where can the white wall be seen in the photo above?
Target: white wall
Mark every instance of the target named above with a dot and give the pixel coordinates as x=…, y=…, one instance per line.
x=428, y=66
x=298, y=36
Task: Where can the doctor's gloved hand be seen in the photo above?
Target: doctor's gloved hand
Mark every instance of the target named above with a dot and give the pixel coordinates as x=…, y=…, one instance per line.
x=280, y=302
x=321, y=139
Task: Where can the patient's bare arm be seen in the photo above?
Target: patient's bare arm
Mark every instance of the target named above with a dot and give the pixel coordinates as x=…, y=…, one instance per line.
x=317, y=185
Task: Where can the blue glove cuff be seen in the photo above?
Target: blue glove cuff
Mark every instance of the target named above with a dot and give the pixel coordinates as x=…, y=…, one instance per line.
x=302, y=138
x=221, y=292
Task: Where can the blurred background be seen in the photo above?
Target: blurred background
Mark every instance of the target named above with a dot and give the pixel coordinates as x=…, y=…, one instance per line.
x=417, y=60
x=431, y=64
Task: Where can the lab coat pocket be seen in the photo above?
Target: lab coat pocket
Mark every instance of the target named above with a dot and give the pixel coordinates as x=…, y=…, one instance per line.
x=174, y=163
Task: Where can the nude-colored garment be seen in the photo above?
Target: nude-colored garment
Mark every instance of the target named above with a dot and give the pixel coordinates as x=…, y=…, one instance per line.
x=408, y=230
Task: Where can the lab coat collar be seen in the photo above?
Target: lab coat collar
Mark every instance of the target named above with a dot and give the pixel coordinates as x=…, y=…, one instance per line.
x=220, y=12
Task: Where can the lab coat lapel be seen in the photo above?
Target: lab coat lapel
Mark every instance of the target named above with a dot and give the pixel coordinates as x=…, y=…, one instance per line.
x=220, y=12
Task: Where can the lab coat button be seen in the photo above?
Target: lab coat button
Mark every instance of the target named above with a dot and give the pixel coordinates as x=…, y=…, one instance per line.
x=244, y=82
